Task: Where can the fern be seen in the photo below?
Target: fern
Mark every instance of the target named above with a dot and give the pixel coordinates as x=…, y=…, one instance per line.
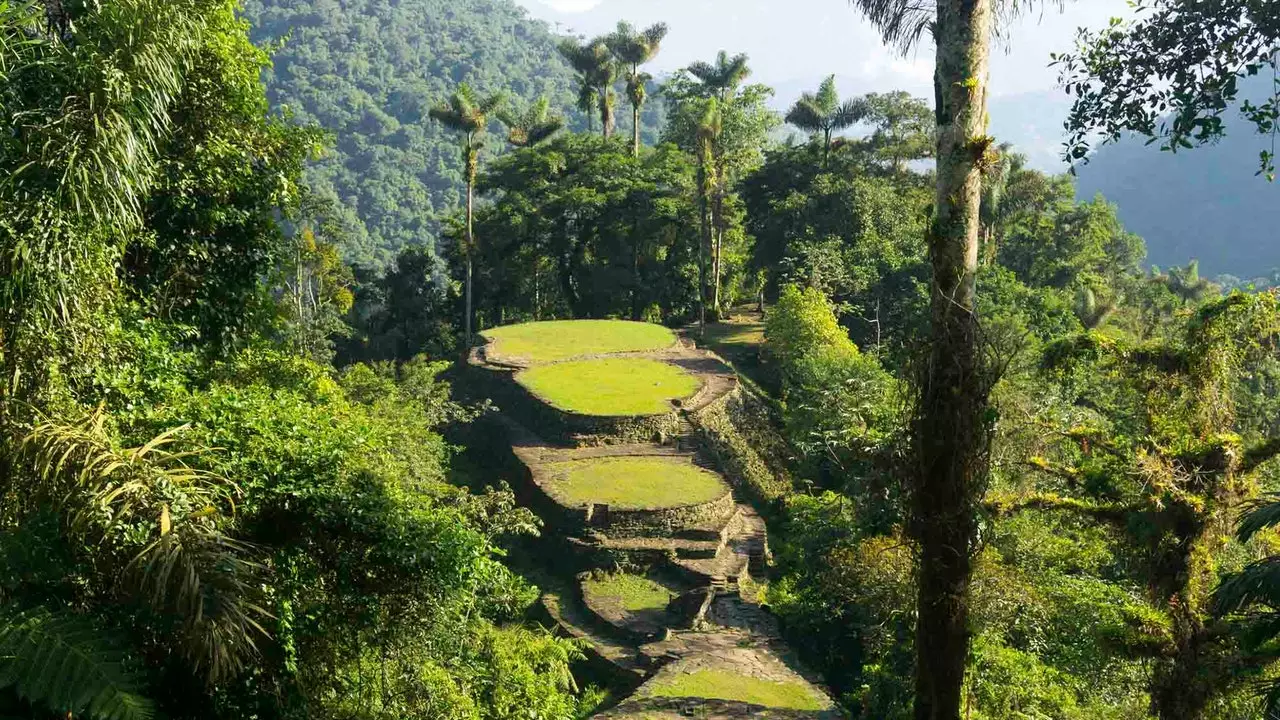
x=187, y=569
x=65, y=663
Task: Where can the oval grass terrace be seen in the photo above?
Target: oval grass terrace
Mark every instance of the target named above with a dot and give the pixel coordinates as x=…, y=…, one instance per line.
x=555, y=340
x=610, y=387
x=633, y=483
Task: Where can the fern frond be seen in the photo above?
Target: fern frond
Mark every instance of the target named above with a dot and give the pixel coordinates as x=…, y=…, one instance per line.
x=189, y=571
x=65, y=663
x=1257, y=584
x=1261, y=514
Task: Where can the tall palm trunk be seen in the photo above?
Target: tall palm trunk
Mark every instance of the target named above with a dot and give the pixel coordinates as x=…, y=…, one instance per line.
x=951, y=425
x=635, y=129
x=704, y=238
x=606, y=113
x=718, y=245
x=470, y=236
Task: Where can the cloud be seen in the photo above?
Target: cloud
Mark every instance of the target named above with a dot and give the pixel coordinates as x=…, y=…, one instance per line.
x=571, y=6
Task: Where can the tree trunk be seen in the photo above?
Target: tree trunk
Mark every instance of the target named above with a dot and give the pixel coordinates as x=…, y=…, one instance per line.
x=826, y=148
x=704, y=238
x=635, y=130
x=606, y=114
x=471, y=183
x=635, y=269
x=951, y=426
x=1182, y=689
x=715, y=263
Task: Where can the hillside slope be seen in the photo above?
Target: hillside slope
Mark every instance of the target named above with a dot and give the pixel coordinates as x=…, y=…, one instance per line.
x=1205, y=203
x=368, y=70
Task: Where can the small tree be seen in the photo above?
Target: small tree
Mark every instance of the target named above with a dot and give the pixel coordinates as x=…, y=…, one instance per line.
x=823, y=113
x=533, y=127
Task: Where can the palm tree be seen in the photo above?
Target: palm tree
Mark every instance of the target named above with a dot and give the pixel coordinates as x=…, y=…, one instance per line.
x=633, y=49
x=1253, y=594
x=597, y=72
x=466, y=113
x=532, y=127
x=993, y=209
x=1185, y=282
x=709, y=129
x=951, y=430
x=723, y=78
x=822, y=112
x=719, y=81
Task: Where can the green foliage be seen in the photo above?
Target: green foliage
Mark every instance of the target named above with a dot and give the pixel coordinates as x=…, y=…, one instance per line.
x=367, y=72
x=579, y=227
x=847, y=231
x=840, y=407
x=1125, y=76
x=64, y=663
x=846, y=599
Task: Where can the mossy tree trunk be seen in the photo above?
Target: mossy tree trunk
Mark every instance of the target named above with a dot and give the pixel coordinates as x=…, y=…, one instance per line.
x=951, y=425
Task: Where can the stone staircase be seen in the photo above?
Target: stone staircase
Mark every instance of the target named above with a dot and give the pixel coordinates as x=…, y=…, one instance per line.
x=707, y=558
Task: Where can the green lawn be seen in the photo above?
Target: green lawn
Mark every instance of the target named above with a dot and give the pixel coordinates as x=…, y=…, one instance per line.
x=628, y=483
x=633, y=592
x=563, y=339
x=741, y=335
x=723, y=685
x=610, y=386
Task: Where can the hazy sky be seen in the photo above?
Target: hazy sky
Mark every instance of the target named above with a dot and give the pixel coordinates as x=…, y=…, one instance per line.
x=795, y=41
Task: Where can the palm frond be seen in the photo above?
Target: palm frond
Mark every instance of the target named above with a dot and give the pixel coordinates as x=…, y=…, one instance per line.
x=849, y=113
x=1261, y=514
x=208, y=582
x=65, y=663
x=806, y=115
x=1257, y=584
x=189, y=570
x=827, y=100
x=901, y=22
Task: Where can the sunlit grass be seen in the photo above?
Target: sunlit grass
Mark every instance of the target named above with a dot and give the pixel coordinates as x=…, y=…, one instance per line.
x=739, y=335
x=632, y=592
x=722, y=685
x=563, y=339
x=610, y=386
x=630, y=483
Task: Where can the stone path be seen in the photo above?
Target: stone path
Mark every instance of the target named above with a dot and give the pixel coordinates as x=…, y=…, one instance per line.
x=713, y=640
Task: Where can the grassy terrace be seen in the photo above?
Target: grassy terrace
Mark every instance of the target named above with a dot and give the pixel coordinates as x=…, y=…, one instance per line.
x=556, y=340
x=723, y=685
x=610, y=386
x=633, y=483
x=631, y=592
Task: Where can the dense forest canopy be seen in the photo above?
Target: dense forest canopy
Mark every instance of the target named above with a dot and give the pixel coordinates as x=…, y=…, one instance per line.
x=958, y=449
x=368, y=70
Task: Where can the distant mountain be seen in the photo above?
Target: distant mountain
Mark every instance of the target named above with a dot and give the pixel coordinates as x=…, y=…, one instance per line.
x=1205, y=203
x=368, y=70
